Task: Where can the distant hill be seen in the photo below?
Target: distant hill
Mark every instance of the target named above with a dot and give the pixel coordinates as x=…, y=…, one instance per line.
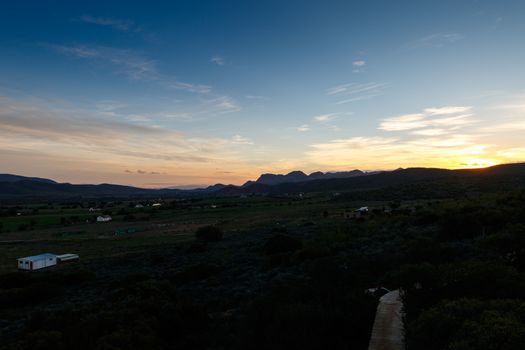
x=506, y=174
x=16, y=178
x=299, y=176
x=30, y=188
x=411, y=182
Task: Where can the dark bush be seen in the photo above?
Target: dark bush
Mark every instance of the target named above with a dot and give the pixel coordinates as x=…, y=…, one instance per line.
x=75, y=277
x=280, y=243
x=197, y=247
x=15, y=280
x=469, y=324
x=312, y=313
x=280, y=229
x=129, y=217
x=209, y=233
x=196, y=272
x=311, y=252
x=31, y=295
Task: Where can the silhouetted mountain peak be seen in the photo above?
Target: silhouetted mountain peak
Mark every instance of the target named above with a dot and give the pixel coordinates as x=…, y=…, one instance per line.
x=299, y=176
x=16, y=178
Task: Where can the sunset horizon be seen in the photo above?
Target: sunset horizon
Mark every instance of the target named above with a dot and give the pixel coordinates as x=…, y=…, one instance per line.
x=262, y=175
x=143, y=98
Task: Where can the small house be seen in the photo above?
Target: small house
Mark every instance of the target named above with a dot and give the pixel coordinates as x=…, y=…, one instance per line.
x=37, y=262
x=104, y=218
x=156, y=204
x=138, y=206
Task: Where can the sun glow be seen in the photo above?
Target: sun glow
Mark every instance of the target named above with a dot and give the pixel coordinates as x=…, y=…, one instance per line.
x=478, y=163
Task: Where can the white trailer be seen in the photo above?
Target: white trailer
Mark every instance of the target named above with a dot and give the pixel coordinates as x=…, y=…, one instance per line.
x=67, y=258
x=37, y=262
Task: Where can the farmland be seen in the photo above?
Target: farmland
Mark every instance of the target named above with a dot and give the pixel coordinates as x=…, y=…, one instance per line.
x=283, y=271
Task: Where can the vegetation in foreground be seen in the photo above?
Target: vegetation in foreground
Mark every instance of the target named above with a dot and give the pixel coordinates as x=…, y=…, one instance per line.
x=280, y=274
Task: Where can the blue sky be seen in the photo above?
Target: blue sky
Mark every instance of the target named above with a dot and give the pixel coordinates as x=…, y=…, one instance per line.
x=197, y=92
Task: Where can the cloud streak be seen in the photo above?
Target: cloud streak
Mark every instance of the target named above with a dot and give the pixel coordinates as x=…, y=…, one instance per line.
x=241, y=140
x=69, y=130
x=353, y=92
x=358, y=66
x=130, y=64
x=435, y=137
x=324, y=118
x=303, y=128
x=218, y=60
x=442, y=117
x=118, y=24
x=437, y=40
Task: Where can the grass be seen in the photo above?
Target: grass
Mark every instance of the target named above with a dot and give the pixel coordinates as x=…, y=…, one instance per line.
x=168, y=225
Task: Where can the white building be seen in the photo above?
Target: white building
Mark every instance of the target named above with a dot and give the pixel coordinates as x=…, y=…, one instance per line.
x=37, y=262
x=138, y=206
x=66, y=258
x=104, y=218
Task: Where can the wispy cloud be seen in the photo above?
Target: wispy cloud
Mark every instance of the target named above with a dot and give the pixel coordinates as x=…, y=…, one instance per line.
x=323, y=118
x=384, y=153
x=447, y=110
x=437, y=136
x=353, y=92
x=130, y=64
x=206, y=108
x=303, y=128
x=223, y=104
x=431, y=132
x=437, y=40
x=139, y=118
x=431, y=117
x=512, y=125
x=241, y=140
x=218, y=60
x=118, y=24
x=198, y=88
x=255, y=97
x=142, y=172
x=67, y=130
x=404, y=122
x=358, y=66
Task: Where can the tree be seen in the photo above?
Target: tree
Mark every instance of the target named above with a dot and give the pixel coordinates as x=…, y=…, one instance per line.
x=209, y=233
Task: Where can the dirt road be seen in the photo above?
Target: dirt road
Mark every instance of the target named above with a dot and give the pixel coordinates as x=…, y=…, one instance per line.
x=387, y=333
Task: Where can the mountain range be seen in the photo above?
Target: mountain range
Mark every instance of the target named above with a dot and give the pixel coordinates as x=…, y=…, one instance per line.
x=16, y=187
x=299, y=176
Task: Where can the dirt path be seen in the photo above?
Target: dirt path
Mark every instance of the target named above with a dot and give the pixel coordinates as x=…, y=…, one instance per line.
x=387, y=333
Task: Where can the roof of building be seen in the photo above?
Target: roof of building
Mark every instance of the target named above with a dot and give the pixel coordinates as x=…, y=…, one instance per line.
x=39, y=257
x=67, y=256
x=104, y=217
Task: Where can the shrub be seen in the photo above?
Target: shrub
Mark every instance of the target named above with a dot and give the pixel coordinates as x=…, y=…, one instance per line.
x=311, y=252
x=280, y=229
x=209, y=233
x=469, y=324
x=197, y=247
x=280, y=243
x=196, y=273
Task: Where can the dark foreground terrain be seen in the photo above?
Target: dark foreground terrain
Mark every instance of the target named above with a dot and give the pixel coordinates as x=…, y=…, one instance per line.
x=270, y=272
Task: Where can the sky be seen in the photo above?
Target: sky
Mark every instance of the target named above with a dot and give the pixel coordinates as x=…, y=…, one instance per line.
x=190, y=93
